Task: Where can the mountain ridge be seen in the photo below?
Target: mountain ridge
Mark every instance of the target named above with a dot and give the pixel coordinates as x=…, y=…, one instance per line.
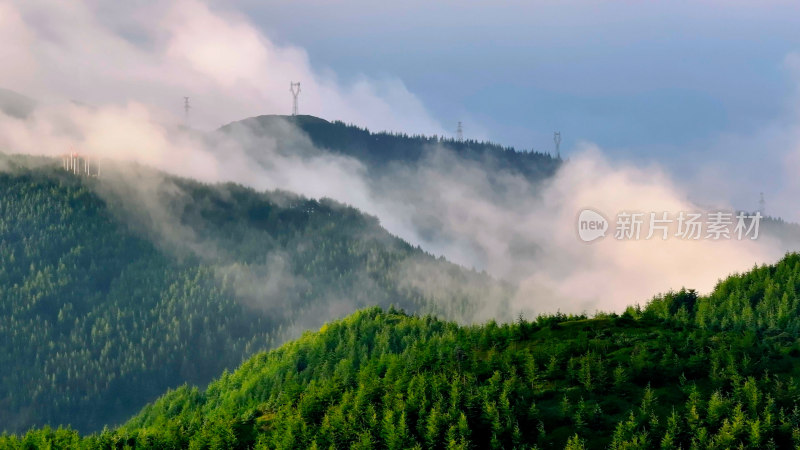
x=154, y=281
x=682, y=371
x=377, y=150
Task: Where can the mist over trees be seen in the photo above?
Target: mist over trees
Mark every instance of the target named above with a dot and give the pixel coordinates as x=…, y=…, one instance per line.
x=112, y=294
x=120, y=288
x=682, y=371
x=182, y=268
x=379, y=151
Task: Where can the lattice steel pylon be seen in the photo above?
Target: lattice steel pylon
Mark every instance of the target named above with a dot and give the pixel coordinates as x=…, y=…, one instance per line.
x=557, y=140
x=294, y=88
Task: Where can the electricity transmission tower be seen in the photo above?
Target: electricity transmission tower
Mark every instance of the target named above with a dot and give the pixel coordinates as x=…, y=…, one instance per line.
x=557, y=140
x=762, y=205
x=294, y=88
x=460, y=133
x=186, y=109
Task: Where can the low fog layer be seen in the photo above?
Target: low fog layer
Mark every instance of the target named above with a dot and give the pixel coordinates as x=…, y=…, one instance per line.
x=518, y=232
x=132, y=72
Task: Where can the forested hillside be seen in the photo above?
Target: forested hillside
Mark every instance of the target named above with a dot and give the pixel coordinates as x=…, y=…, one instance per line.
x=379, y=151
x=111, y=293
x=681, y=372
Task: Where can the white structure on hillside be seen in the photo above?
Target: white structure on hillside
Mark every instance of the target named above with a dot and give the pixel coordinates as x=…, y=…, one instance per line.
x=79, y=164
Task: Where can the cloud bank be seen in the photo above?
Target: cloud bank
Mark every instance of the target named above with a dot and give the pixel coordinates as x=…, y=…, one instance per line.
x=130, y=71
x=156, y=53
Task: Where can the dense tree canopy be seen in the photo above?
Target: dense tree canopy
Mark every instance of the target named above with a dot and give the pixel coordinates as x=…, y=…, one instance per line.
x=379, y=151
x=684, y=371
x=104, y=304
x=114, y=290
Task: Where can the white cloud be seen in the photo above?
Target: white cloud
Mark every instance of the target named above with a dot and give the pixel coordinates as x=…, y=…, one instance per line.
x=157, y=54
x=134, y=68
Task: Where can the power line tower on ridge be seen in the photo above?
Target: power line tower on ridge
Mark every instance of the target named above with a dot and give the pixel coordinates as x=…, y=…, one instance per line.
x=294, y=88
x=557, y=140
x=460, y=133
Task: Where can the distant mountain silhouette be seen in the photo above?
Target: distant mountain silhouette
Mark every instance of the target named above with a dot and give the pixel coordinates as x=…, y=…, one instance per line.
x=381, y=149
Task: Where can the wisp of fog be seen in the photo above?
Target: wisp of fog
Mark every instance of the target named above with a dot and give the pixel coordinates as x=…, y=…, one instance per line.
x=132, y=74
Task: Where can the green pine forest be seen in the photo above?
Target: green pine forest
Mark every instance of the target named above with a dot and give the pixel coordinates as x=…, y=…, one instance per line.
x=103, y=310
x=683, y=371
x=382, y=150
x=162, y=312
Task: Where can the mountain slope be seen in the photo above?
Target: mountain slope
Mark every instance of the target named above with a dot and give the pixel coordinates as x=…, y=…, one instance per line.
x=380, y=151
x=682, y=372
x=115, y=289
x=88, y=309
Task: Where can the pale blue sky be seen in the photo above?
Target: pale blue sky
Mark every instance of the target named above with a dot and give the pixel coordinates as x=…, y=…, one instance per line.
x=616, y=73
x=668, y=82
